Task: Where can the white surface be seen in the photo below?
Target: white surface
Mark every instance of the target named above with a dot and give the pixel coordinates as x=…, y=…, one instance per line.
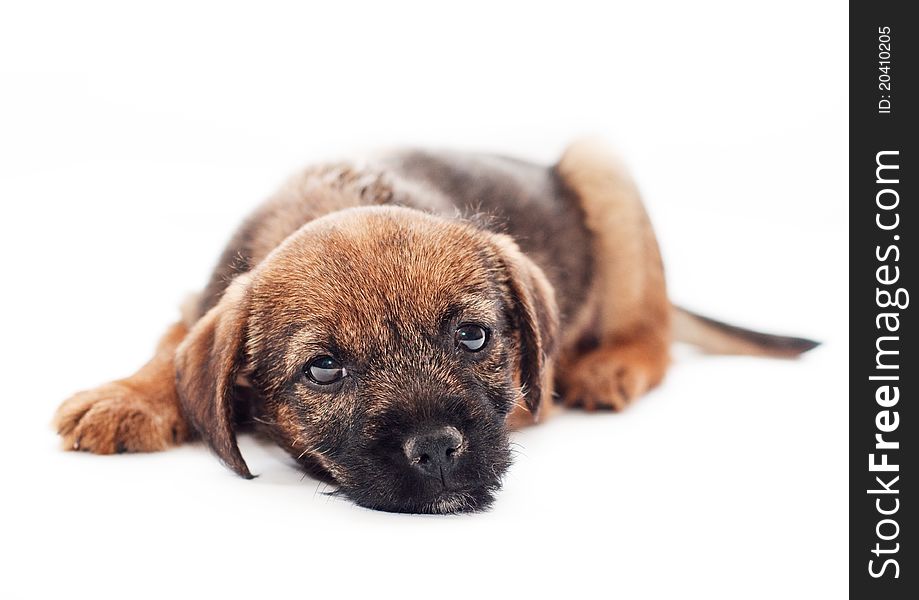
x=134, y=141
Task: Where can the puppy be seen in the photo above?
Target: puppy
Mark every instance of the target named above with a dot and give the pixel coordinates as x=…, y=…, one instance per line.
x=387, y=323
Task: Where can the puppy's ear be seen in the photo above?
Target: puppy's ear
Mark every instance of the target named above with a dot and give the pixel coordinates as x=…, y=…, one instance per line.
x=207, y=363
x=535, y=314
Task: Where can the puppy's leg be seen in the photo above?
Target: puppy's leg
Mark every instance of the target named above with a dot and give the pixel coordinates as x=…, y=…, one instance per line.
x=628, y=340
x=137, y=414
x=616, y=372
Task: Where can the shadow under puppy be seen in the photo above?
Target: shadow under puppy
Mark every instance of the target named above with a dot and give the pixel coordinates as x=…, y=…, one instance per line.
x=387, y=338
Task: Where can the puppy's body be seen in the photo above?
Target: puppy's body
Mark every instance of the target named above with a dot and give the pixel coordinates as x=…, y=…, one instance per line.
x=581, y=222
x=385, y=323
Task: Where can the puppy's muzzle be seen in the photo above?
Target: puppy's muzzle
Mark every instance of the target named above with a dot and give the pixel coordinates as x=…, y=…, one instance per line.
x=435, y=452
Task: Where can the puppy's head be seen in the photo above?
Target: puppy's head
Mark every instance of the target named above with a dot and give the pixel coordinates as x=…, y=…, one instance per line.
x=384, y=347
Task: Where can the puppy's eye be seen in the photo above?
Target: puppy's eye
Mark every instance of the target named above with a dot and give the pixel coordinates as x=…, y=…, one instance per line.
x=471, y=337
x=325, y=370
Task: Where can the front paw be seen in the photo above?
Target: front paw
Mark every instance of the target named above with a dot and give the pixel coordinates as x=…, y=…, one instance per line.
x=116, y=418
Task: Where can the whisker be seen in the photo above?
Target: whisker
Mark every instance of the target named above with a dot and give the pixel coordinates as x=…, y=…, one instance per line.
x=336, y=494
x=316, y=491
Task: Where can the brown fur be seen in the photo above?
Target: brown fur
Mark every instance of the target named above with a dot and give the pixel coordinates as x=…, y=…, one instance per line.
x=628, y=310
x=138, y=414
x=561, y=264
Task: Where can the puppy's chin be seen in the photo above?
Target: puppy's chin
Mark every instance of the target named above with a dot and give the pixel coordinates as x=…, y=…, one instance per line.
x=444, y=502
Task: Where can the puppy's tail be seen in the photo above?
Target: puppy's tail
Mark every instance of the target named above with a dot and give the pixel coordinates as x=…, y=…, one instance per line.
x=716, y=337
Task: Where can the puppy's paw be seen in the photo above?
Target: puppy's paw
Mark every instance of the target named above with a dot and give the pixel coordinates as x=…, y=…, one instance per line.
x=116, y=418
x=611, y=378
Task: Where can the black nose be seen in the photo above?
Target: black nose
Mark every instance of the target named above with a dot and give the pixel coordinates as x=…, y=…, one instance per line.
x=434, y=452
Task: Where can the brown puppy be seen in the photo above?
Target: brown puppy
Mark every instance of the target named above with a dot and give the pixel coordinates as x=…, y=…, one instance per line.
x=386, y=324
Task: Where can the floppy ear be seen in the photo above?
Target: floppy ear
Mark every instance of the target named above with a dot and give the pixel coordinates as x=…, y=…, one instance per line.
x=206, y=364
x=535, y=316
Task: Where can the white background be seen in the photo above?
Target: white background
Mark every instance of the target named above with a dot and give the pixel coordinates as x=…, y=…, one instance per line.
x=133, y=141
